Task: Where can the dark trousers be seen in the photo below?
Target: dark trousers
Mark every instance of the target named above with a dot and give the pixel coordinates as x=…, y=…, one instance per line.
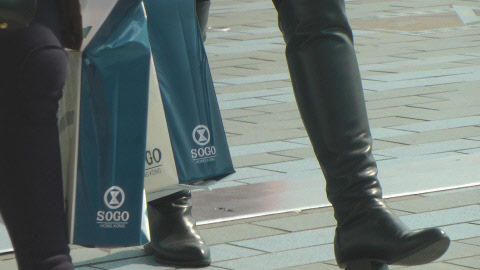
x=32, y=74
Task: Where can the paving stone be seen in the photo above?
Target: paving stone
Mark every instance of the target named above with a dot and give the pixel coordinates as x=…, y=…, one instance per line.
x=439, y=202
x=314, y=266
x=229, y=252
x=260, y=159
x=441, y=124
x=256, y=79
x=252, y=136
x=245, y=103
x=251, y=94
x=292, y=166
x=262, y=148
x=87, y=256
x=227, y=184
x=462, y=231
x=442, y=217
x=450, y=191
x=380, y=144
x=236, y=233
x=301, y=222
x=378, y=133
x=290, y=241
x=459, y=250
x=386, y=122
x=284, y=259
x=471, y=241
x=436, y=266
x=140, y=263
x=303, y=153
x=473, y=262
x=436, y=136
x=247, y=172
x=429, y=148
x=8, y=264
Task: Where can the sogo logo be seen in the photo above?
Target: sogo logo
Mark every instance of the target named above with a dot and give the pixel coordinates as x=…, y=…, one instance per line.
x=201, y=136
x=153, y=156
x=114, y=198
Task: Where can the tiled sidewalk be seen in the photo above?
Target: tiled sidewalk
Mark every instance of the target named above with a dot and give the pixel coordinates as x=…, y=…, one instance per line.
x=420, y=63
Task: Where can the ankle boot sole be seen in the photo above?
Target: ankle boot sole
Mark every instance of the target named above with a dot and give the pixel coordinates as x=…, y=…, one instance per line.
x=366, y=265
x=422, y=255
x=426, y=254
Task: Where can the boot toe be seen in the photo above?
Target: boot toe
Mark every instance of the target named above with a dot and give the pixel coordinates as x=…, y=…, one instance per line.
x=435, y=243
x=191, y=255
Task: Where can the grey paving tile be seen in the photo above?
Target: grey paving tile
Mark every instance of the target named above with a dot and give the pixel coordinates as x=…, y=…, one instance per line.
x=423, y=74
x=263, y=148
x=8, y=264
x=436, y=136
x=247, y=172
x=470, y=151
x=301, y=222
x=303, y=153
x=473, y=262
x=378, y=133
x=262, y=159
x=228, y=252
x=471, y=241
x=140, y=263
x=87, y=256
x=284, y=259
x=462, y=231
x=438, y=202
x=430, y=148
x=315, y=174
x=236, y=233
x=226, y=184
x=245, y=103
x=282, y=98
x=5, y=244
x=431, y=266
x=442, y=217
x=252, y=94
x=292, y=166
x=387, y=86
x=290, y=241
x=249, y=137
x=256, y=79
x=423, y=158
x=313, y=266
x=418, y=62
x=459, y=250
x=441, y=124
x=303, y=140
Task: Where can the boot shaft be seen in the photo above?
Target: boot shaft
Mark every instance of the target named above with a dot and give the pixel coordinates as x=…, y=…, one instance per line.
x=329, y=94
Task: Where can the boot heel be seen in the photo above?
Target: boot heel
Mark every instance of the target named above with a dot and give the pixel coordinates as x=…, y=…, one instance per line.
x=366, y=265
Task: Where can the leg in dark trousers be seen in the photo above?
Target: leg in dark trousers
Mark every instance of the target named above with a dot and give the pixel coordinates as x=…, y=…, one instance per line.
x=32, y=75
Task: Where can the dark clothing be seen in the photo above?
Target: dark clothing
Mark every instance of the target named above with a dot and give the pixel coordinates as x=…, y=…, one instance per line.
x=32, y=74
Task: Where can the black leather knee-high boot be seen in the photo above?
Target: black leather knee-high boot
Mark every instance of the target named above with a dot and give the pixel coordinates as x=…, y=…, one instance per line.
x=173, y=232
x=203, y=8
x=329, y=94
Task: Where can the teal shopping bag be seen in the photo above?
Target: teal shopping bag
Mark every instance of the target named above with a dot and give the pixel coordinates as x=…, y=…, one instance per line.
x=107, y=206
x=195, y=126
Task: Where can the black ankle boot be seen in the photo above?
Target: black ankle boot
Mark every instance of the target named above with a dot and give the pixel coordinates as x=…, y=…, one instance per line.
x=203, y=8
x=329, y=94
x=174, y=236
